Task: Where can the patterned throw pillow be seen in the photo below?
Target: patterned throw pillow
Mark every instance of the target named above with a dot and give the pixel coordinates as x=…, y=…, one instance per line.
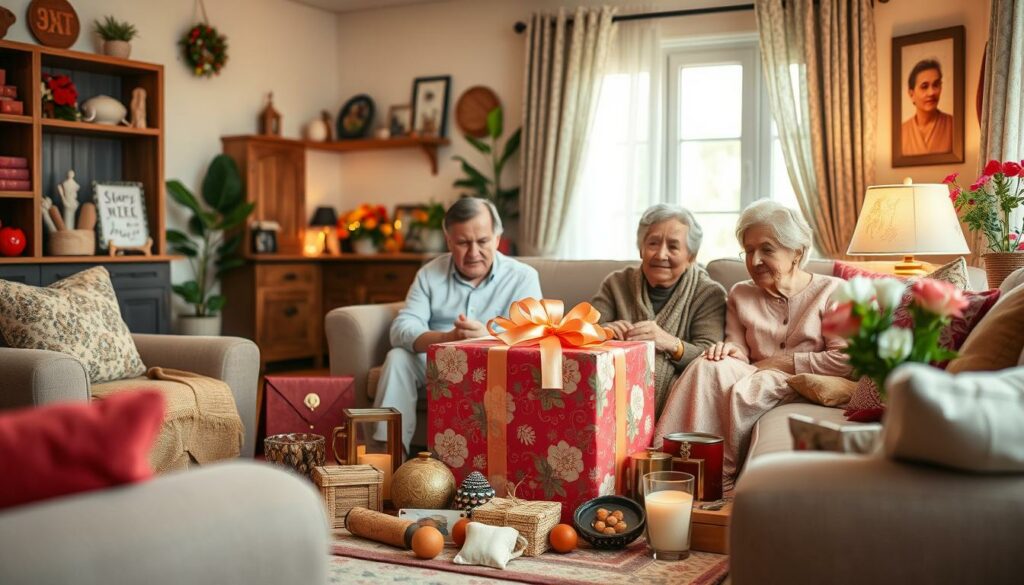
x=78, y=316
x=954, y=272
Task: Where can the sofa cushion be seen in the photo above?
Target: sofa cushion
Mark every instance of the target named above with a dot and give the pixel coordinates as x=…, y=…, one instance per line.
x=997, y=341
x=972, y=422
x=60, y=449
x=824, y=390
x=78, y=316
x=771, y=433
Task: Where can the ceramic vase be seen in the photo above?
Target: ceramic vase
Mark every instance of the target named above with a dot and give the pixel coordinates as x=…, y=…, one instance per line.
x=423, y=482
x=999, y=265
x=433, y=241
x=364, y=246
x=192, y=325
x=119, y=49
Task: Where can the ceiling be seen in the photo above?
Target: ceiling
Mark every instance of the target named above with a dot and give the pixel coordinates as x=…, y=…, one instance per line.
x=355, y=5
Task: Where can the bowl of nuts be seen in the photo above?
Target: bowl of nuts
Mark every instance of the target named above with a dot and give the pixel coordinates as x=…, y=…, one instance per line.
x=609, y=521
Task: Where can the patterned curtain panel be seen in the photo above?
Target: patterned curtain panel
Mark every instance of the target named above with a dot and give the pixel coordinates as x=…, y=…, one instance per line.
x=564, y=67
x=1002, y=114
x=821, y=75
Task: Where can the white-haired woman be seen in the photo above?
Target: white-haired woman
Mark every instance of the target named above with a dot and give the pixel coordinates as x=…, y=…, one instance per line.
x=772, y=331
x=669, y=299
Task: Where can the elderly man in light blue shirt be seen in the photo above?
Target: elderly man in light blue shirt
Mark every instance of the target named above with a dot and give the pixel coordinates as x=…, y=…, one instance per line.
x=451, y=299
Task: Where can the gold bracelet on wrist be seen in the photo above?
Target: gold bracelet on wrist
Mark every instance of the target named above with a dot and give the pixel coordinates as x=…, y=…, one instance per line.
x=677, y=352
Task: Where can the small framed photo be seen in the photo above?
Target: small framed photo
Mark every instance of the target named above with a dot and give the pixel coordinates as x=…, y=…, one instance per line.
x=405, y=215
x=400, y=120
x=443, y=520
x=120, y=214
x=430, y=105
x=928, y=98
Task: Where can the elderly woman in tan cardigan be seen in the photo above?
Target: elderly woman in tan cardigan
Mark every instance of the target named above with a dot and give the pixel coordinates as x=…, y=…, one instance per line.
x=668, y=299
x=772, y=331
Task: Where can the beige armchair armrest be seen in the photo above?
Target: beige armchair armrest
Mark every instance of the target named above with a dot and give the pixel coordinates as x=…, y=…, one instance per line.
x=33, y=377
x=358, y=338
x=234, y=360
x=838, y=519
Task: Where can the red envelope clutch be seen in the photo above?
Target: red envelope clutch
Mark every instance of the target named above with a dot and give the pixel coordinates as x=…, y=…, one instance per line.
x=306, y=405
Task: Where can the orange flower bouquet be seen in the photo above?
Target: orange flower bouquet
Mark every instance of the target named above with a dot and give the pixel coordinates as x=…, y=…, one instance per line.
x=368, y=227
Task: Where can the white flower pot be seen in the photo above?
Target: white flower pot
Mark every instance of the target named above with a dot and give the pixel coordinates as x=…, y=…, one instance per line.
x=433, y=241
x=192, y=325
x=120, y=49
x=364, y=246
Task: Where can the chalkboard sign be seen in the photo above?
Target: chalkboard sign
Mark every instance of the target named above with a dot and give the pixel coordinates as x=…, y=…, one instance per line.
x=120, y=214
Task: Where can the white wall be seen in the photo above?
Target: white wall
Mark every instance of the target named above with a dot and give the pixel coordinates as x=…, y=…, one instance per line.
x=273, y=45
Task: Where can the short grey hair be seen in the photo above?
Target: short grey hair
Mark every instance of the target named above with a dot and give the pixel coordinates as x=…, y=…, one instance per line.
x=660, y=212
x=788, y=227
x=466, y=208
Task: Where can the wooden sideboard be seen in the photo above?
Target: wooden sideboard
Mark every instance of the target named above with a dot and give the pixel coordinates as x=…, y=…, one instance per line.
x=280, y=301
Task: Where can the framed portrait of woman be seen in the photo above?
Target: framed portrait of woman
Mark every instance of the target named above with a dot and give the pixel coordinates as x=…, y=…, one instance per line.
x=928, y=98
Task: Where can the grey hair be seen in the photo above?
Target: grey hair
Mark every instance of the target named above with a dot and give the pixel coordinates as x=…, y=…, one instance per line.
x=788, y=227
x=466, y=208
x=660, y=212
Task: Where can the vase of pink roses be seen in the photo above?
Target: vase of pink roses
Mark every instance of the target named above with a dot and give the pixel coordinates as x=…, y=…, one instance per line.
x=986, y=206
x=863, y=314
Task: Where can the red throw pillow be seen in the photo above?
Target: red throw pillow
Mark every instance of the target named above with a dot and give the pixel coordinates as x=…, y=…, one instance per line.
x=847, y=271
x=51, y=451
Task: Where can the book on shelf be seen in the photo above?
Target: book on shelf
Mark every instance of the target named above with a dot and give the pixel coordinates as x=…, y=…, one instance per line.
x=15, y=185
x=14, y=174
x=13, y=162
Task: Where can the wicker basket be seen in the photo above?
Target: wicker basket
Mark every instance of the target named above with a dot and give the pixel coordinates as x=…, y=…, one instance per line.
x=348, y=486
x=999, y=265
x=533, y=520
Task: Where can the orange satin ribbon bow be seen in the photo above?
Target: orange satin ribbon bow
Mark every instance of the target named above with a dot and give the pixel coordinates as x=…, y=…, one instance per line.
x=542, y=322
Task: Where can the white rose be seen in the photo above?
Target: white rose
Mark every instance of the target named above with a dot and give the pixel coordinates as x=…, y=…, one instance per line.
x=895, y=343
x=889, y=292
x=858, y=289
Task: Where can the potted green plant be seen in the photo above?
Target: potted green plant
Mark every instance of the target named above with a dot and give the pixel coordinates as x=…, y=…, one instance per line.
x=427, y=228
x=117, y=36
x=214, y=223
x=487, y=183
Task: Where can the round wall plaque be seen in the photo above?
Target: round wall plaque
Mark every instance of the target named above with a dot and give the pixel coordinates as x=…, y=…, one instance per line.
x=472, y=109
x=53, y=23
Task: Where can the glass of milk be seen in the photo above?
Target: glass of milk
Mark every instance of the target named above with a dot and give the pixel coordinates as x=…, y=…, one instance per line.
x=668, y=500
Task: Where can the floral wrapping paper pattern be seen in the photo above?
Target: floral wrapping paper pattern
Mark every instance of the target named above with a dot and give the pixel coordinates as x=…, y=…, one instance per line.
x=560, y=443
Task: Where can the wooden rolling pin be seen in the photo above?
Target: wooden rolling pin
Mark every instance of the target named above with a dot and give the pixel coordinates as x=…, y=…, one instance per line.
x=57, y=219
x=380, y=527
x=87, y=216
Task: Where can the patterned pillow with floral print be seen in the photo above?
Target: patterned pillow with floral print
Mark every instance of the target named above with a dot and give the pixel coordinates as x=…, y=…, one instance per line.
x=78, y=316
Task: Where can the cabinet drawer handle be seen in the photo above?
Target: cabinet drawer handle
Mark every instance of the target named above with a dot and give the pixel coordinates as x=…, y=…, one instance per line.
x=290, y=276
x=391, y=276
x=291, y=312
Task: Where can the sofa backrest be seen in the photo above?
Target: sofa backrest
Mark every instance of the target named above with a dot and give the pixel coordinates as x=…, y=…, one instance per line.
x=573, y=281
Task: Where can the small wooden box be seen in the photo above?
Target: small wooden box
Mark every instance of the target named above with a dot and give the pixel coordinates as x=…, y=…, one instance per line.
x=347, y=486
x=533, y=519
x=710, y=530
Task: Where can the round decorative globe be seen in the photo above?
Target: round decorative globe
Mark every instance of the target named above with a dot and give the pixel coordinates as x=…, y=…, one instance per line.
x=423, y=482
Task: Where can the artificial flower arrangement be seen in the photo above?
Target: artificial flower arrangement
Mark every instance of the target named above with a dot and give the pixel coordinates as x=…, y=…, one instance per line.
x=863, y=314
x=987, y=204
x=60, y=97
x=368, y=222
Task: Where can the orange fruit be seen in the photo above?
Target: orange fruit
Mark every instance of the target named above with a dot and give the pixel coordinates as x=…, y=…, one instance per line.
x=427, y=542
x=459, y=532
x=563, y=538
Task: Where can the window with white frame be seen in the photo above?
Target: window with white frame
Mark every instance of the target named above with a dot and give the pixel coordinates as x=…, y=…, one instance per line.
x=722, y=148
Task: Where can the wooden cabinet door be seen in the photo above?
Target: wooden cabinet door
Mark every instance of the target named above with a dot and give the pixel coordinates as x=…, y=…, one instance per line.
x=289, y=324
x=276, y=184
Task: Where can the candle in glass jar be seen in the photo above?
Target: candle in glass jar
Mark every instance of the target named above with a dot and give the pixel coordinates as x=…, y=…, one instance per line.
x=668, y=520
x=381, y=461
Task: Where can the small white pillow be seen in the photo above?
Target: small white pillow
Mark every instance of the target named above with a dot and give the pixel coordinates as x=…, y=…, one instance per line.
x=970, y=421
x=490, y=546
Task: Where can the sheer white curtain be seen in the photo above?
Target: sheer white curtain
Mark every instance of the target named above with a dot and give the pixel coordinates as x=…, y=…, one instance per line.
x=622, y=161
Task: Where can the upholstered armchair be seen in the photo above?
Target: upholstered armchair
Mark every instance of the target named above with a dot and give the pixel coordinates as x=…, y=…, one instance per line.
x=35, y=377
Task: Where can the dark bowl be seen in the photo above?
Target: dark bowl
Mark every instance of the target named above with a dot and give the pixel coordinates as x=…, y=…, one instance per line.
x=632, y=513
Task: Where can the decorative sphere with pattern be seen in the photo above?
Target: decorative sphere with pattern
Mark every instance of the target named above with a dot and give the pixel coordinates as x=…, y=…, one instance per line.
x=422, y=483
x=474, y=491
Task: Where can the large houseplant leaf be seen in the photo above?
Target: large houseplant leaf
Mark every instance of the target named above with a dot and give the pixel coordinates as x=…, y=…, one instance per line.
x=222, y=186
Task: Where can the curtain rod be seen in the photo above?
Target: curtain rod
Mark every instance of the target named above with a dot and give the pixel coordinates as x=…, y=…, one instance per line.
x=521, y=26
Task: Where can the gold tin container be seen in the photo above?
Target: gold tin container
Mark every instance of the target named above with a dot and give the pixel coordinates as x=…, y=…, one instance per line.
x=640, y=464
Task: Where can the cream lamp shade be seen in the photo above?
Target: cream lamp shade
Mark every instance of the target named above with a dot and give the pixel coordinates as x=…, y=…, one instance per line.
x=908, y=219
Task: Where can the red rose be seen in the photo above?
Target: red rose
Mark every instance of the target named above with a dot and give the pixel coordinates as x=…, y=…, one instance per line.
x=980, y=182
x=64, y=92
x=992, y=167
x=950, y=178
x=1011, y=169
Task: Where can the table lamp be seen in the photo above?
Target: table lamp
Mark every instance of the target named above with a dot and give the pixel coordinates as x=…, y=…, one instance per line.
x=908, y=219
x=326, y=218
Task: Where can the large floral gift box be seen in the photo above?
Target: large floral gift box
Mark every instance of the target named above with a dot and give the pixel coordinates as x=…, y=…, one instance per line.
x=488, y=412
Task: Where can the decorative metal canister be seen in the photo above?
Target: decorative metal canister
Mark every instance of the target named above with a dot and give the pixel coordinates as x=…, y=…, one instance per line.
x=699, y=454
x=640, y=464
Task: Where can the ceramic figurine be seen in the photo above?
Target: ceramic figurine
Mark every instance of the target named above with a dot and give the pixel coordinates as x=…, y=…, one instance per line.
x=138, y=108
x=104, y=109
x=474, y=491
x=45, y=205
x=69, y=197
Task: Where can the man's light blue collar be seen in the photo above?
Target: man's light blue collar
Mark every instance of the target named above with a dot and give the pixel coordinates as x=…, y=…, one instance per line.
x=497, y=266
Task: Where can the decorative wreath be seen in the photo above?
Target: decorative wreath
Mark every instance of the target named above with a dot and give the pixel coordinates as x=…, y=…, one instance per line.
x=206, y=51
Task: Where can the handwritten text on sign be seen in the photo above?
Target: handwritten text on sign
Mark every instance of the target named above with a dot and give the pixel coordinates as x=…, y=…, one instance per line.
x=122, y=214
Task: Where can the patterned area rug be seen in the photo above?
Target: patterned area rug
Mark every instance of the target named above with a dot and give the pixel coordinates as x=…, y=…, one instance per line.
x=362, y=561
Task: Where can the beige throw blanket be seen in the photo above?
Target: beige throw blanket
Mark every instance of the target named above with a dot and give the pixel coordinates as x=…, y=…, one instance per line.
x=201, y=421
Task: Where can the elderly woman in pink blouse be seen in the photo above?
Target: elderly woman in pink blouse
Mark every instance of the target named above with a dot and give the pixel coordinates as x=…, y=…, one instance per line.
x=772, y=331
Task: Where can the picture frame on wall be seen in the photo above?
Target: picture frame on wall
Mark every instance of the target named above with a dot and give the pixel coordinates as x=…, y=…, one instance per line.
x=928, y=98
x=121, y=219
x=400, y=120
x=430, y=105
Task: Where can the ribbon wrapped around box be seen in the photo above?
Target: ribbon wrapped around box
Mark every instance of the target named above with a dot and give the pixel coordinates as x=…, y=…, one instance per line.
x=551, y=403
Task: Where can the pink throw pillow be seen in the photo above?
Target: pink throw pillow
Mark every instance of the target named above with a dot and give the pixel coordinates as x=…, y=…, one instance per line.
x=60, y=449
